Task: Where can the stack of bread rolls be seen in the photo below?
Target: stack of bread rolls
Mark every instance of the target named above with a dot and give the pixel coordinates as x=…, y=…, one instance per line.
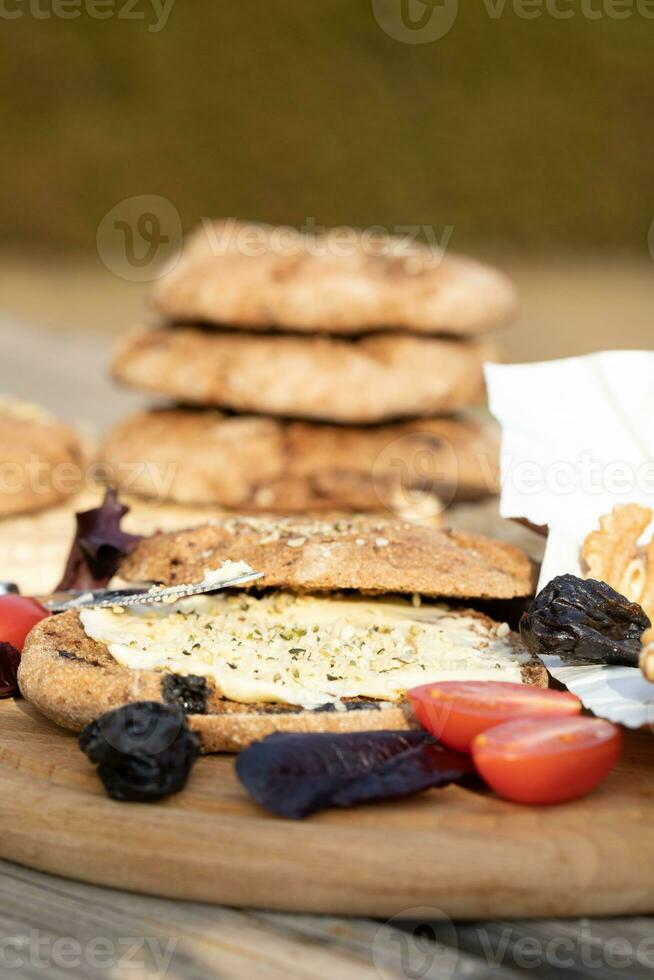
x=304, y=373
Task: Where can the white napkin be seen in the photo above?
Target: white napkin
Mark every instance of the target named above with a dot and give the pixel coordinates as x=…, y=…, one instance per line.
x=577, y=439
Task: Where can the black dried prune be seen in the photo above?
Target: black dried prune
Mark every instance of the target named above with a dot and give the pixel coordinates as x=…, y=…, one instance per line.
x=189, y=691
x=584, y=619
x=144, y=750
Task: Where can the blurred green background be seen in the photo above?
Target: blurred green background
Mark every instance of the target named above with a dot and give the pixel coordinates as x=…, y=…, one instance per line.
x=518, y=132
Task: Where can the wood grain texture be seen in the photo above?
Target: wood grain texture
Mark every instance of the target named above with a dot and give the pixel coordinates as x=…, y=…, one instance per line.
x=122, y=935
x=462, y=852
x=111, y=933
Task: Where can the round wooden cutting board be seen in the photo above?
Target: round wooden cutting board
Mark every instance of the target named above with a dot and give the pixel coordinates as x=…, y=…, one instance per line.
x=457, y=851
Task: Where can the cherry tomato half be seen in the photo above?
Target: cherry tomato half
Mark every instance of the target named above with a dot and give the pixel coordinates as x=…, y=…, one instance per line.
x=455, y=711
x=547, y=760
x=18, y=614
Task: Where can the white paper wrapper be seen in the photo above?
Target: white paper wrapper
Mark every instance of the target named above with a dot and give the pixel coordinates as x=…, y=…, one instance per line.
x=577, y=439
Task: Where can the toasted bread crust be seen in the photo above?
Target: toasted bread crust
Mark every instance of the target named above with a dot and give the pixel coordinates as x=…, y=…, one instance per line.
x=256, y=464
x=73, y=679
x=307, y=285
x=370, y=379
x=371, y=555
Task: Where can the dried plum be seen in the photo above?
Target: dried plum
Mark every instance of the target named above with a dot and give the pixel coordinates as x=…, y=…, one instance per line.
x=98, y=546
x=9, y=660
x=297, y=774
x=586, y=620
x=189, y=691
x=144, y=750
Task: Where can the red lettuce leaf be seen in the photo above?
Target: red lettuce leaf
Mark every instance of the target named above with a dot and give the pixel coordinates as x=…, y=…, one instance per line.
x=9, y=660
x=296, y=774
x=98, y=546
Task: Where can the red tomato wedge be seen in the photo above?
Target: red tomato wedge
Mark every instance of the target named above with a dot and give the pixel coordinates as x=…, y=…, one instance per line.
x=547, y=760
x=18, y=614
x=455, y=711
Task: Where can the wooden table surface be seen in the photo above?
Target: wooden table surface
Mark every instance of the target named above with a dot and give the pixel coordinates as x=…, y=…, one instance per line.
x=53, y=927
x=63, y=929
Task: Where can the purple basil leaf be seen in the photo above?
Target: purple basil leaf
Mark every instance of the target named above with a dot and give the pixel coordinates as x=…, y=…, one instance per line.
x=98, y=546
x=9, y=660
x=295, y=774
